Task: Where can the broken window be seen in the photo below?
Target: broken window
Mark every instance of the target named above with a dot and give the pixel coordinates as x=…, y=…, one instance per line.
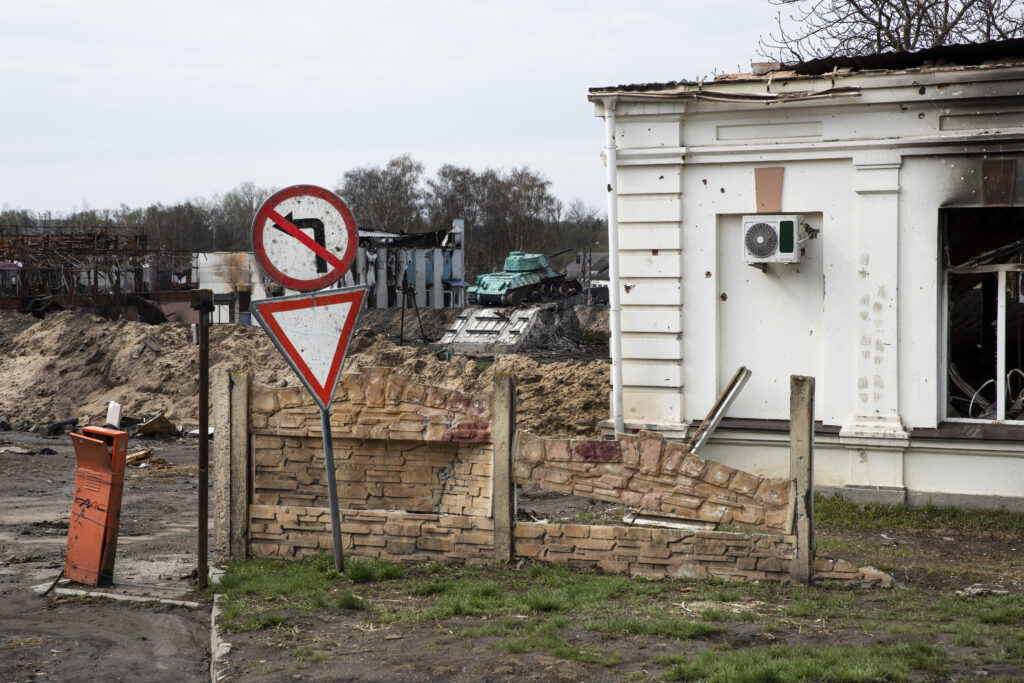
x=983, y=261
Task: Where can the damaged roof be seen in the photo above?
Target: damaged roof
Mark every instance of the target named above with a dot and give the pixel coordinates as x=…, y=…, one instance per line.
x=974, y=54
x=978, y=54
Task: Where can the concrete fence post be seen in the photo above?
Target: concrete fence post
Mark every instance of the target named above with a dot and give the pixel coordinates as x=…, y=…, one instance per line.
x=801, y=469
x=229, y=394
x=503, y=445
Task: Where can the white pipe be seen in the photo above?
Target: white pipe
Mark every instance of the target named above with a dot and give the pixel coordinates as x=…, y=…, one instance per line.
x=611, y=169
x=1001, y=347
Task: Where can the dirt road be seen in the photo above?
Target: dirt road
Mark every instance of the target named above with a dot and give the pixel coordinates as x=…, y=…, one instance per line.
x=87, y=639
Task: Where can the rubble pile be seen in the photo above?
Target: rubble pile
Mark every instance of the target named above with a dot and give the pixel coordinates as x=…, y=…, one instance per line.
x=71, y=364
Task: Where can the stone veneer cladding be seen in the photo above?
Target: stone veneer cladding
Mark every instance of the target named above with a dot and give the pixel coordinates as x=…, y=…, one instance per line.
x=414, y=466
x=657, y=476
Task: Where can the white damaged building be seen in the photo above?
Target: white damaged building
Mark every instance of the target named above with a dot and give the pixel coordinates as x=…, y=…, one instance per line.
x=859, y=220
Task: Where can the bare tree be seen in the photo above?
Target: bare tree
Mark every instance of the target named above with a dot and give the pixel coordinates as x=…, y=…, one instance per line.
x=452, y=194
x=232, y=215
x=388, y=198
x=810, y=29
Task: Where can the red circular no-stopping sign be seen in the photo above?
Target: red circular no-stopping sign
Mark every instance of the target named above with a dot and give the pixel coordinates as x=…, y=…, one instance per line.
x=304, y=237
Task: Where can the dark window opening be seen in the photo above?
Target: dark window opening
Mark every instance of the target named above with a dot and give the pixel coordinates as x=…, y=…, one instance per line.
x=983, y=253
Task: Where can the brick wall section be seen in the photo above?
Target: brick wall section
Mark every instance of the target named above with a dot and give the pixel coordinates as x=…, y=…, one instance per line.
x=375, y=404
x=641, y=551
x=397, y=445
x=286, y=532
x=644, y=471
x=843, y=572
x=660, y=553
x=415, y=476
x=414, y=481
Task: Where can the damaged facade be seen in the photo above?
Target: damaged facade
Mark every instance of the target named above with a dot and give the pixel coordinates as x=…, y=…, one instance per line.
x=114, y=271
x=390, y=264
x=905, y=302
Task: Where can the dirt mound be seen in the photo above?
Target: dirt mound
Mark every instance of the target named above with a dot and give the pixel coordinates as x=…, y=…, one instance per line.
x=555, y=398
x=71, y=364
x=593, y=323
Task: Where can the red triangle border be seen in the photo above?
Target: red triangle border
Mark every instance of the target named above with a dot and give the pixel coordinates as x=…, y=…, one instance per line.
x=267, y=309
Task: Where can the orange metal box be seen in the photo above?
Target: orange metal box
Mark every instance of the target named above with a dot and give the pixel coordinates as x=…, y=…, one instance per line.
x=96, y=510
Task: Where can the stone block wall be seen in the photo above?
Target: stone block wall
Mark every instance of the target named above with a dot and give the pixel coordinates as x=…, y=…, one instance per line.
x=398, y=445
x=656, y=553
x=416, y=477
x=661, y=477
x=375, y=404
x=285, y=532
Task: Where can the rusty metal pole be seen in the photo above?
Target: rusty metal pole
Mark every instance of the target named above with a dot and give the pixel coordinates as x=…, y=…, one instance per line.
x=202, y=300
x=204, y=443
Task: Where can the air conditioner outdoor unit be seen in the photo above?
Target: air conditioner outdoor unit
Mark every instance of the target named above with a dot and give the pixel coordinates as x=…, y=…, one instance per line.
x=771, y=239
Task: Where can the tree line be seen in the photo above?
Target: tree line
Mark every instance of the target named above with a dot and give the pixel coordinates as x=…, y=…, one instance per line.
x=503, y=211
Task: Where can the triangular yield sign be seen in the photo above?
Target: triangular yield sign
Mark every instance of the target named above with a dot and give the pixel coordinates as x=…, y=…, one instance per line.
x=312, y=331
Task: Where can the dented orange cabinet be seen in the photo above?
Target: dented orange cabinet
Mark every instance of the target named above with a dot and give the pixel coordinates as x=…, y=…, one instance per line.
x=96, y=510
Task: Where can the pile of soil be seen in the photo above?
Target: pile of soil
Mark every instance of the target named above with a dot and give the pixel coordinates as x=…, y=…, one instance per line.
x=594, y=323
x=555, y=398
x=71, y=364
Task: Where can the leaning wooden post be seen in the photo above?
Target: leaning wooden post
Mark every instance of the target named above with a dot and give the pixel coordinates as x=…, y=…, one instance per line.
x=503, y=444
x=801, y=469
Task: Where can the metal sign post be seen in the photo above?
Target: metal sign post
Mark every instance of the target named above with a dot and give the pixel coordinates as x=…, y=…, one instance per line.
x=311, y=330
x=332, y=490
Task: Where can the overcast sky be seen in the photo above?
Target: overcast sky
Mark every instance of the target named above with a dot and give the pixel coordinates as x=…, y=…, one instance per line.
x=109, y=102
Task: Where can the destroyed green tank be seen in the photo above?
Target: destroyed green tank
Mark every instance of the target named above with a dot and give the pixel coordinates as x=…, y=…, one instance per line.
x=526, y=277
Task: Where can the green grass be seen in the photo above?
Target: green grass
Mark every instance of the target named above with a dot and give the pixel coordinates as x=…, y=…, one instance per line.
x=776, y=663
x=862, y=549
x=252, y=588
x=825, y=602
x=516, y=635
x=433, y=586
x=835, y=513
x=358, y=570
x=652, y=625
x=308, y=654
x=347, y=600
x=590, y=618
x=256, y=622
x=914, y=606
x=544, y=601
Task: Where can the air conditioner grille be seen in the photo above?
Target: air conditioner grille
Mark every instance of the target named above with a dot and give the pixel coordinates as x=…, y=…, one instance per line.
x=761, y=240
